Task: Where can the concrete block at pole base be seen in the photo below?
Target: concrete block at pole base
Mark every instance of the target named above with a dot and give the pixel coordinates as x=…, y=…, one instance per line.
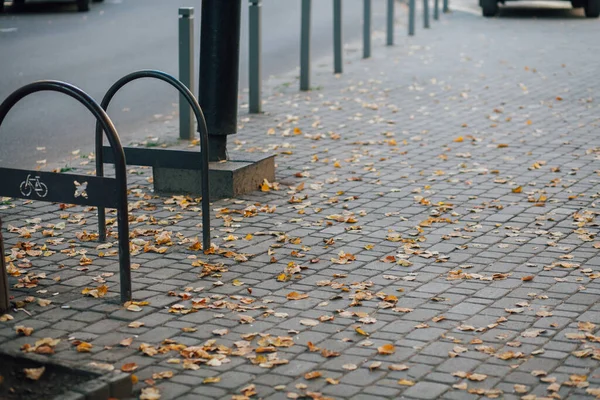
x=227, y=179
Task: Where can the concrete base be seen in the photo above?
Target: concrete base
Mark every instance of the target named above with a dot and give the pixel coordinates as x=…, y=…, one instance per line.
x=226, y=179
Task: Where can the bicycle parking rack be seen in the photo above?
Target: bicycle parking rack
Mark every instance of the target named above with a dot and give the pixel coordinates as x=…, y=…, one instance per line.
x=72, y=188
x=160, y=158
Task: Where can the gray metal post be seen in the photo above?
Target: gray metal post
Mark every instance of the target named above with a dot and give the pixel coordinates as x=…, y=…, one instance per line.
x=436, y=10
x=305, y=46
x=411, y=17
x=390, y=22
x=446, y=9
x=4, y=303
x=254, y=64
x=426, y=13
x=337, y=37
x=186, y=70
x=366, y=28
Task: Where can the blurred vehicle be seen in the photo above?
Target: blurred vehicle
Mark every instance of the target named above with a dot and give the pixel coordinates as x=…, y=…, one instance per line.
x=489, y=8
x=82, y=5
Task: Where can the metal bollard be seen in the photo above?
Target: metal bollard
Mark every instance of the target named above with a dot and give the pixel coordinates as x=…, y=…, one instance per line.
x=4, y=301
x=390, y=22
x=446, y=9
x=426, y=13
x=366, y=28
x=305, y=46
x=219, y=72
x=254, y=64
x=337, y=37
x=436, y=10
x=186, y=70
x=411, y=17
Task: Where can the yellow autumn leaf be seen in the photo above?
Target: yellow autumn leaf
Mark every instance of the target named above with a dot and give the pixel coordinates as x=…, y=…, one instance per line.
x=360, y=331
x=386, y=349
x=84, y=347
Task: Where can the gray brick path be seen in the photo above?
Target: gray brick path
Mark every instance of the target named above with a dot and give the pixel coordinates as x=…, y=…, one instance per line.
x=439, y=198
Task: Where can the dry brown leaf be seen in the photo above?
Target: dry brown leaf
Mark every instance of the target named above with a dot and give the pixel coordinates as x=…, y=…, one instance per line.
x=296, y=296
x=162, y=375
x=126, y=342
x=129, y=367
x=312, y=375
x=23, y=330
x=34, y=373
x=520, y=388
x=150, y=393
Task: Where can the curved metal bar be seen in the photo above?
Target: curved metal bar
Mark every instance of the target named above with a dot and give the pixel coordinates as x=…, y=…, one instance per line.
x=104, y=122
x=189, y=96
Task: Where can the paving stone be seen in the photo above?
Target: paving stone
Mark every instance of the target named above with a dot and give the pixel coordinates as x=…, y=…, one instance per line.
x=409, y=151
x=426, y=390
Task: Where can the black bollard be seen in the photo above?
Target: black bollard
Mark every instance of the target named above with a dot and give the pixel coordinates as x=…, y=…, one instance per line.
x=219, y=71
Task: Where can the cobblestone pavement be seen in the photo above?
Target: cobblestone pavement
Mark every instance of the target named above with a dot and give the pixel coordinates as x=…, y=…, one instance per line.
x=432, y=234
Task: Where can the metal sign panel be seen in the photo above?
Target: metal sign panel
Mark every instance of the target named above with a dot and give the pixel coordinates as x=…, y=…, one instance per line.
x=85, y=190
x=151, y=157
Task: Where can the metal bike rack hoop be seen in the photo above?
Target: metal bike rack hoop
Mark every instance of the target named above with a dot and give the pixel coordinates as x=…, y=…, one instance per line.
x=185, y=92
x=101, y=192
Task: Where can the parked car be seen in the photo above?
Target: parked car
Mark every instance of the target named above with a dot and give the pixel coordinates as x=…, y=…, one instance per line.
x=82, y=5
x=489, y=8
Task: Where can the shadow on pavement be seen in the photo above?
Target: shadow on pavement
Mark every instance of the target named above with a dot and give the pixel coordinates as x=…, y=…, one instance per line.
x=532, y=11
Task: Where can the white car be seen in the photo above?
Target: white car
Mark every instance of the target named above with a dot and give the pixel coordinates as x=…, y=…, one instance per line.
x=489, y=8
x=82, y=5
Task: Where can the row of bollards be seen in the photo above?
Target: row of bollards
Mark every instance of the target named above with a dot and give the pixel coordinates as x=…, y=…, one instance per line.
x=255, y=40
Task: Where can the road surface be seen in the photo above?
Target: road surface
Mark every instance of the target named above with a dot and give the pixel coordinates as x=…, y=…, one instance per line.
x=92, y=50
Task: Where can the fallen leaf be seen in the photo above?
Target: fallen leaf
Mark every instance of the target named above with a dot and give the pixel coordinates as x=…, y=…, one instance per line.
x=23, y=330
x=312, y=375
x=129, y=367
x=386, y=349
x=34, y=373
x=375, y=365
x=296, y=296
x=212, y=379
x=84, y=347
x=360, y=331
x=520, y=388
x=406, y=382
x=162, y=375
x=150, y=393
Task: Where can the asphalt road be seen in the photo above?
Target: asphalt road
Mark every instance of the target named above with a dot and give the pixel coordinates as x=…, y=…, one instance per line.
x=92, y=50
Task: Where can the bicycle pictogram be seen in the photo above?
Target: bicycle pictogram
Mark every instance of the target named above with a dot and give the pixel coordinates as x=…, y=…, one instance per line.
x=30, y=185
